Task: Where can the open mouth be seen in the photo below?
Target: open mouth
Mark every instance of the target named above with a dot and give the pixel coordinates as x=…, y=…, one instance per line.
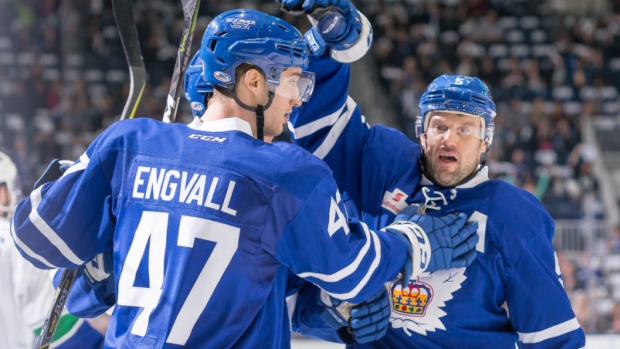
x=447, y=158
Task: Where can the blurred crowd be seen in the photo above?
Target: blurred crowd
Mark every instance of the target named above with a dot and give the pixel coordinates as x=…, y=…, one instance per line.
x=547, y=72
x=64, y=78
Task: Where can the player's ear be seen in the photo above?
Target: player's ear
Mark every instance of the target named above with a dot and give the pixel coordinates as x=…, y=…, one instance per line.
x=252, y=78
x=484, y=147
x=423, y=141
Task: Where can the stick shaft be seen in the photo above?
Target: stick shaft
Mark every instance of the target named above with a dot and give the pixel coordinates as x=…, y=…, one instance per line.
x=190, y=15
x=53, y=318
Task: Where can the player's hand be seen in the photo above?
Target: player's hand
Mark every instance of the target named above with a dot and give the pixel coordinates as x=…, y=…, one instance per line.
x=369, y=320
x=364, y=322
x=452, y=240
x=98, y=270
x=335, y=22
x=294, y=7
x=335, y=312
x=54, y=170
x=338, y=23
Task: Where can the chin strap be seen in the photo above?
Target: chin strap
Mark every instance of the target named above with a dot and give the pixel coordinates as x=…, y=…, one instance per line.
x=260, y=121
x=259, y=110
x=483, y=157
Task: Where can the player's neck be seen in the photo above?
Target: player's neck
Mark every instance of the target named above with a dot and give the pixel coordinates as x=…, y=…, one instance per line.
x=218, y=111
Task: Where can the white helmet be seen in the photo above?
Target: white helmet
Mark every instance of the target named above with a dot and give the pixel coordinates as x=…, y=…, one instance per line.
x=8, y=176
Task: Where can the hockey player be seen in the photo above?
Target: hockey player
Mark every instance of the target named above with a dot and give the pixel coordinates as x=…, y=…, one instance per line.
x=205, y=222
x=513, y=293
x=27, y=292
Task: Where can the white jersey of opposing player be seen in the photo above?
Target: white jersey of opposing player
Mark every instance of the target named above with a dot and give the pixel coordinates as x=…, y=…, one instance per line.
x=26, y=294
x=24, y=291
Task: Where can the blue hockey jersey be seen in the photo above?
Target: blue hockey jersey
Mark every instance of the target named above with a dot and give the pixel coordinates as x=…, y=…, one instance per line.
x=205, y=223
x=511, y=294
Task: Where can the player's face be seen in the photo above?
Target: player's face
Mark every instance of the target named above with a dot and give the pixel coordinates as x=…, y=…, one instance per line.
x=4, y=196
x=286, y=97
x=452, y=145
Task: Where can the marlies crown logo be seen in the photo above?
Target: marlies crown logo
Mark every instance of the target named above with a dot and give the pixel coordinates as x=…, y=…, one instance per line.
x=413, y=299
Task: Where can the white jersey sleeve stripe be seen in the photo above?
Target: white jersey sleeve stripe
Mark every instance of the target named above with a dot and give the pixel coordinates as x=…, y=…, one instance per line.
x=554, y=331
x=311, y=127
x=338, y=120
x=371, y=270
x=27, y=250
x=335, y=132
x=351, y=268
x=47, y=231
x=80, y=166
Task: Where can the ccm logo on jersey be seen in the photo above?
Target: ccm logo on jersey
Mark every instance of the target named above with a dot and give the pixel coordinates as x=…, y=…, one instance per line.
x=208, y=138
x=394, y=201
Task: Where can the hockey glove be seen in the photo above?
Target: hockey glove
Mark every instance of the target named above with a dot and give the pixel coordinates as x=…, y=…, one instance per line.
x=336, y=25
x=370, y=320
x=365, y=322
x=452, y=240
x=53, y=171
x=97, y=271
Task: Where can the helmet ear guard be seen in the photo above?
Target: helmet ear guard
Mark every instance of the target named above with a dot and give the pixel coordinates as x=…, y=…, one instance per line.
x=490, y=131
x=197, y=91
x=419, y=130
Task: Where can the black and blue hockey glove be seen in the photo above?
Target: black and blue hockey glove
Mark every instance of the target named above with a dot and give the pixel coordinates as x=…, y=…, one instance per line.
x=54, y=170
x=98, y=270
x=99, y=274
x=336, y=26
x=370, y=319
x=365, y=322
x=443, y=242
x=436, y=243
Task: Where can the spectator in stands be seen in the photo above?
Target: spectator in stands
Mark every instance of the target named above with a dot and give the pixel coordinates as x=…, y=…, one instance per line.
x=614, y=242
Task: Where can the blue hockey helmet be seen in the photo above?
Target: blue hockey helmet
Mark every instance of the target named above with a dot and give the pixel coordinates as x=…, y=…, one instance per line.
x=250, y=36
x=458, y=93
x=195, y=87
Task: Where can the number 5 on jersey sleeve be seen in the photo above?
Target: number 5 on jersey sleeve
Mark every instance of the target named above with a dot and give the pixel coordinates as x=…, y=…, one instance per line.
x=153, y=226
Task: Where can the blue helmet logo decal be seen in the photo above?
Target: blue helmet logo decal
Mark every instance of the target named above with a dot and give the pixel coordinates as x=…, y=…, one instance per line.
x=197, y=106
x=221, y=76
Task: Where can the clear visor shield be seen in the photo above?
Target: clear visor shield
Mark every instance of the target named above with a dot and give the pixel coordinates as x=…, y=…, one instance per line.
x=442, y=127
x=291, y=83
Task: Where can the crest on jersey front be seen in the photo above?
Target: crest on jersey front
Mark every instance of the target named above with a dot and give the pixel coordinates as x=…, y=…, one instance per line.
x=412, y=299
x=394, y=201
x=419, y=306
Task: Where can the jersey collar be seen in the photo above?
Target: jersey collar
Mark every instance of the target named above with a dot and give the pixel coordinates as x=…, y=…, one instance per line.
x=222, y=125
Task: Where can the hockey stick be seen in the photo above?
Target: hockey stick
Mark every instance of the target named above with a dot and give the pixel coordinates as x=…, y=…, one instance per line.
x=128, y=31
x=125, y=22
x=190, y=15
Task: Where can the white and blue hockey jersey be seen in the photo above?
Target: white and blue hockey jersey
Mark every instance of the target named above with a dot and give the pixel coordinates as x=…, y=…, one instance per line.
x=205, y=223
x=511, y=294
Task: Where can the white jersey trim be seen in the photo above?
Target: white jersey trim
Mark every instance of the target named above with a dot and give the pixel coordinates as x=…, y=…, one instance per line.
x=351, y=268
x=361, y=46
x=222, y=125
x=338, y=120
x=312, y=127
x=44, y=228
x=27, y=250
x=551, y=332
